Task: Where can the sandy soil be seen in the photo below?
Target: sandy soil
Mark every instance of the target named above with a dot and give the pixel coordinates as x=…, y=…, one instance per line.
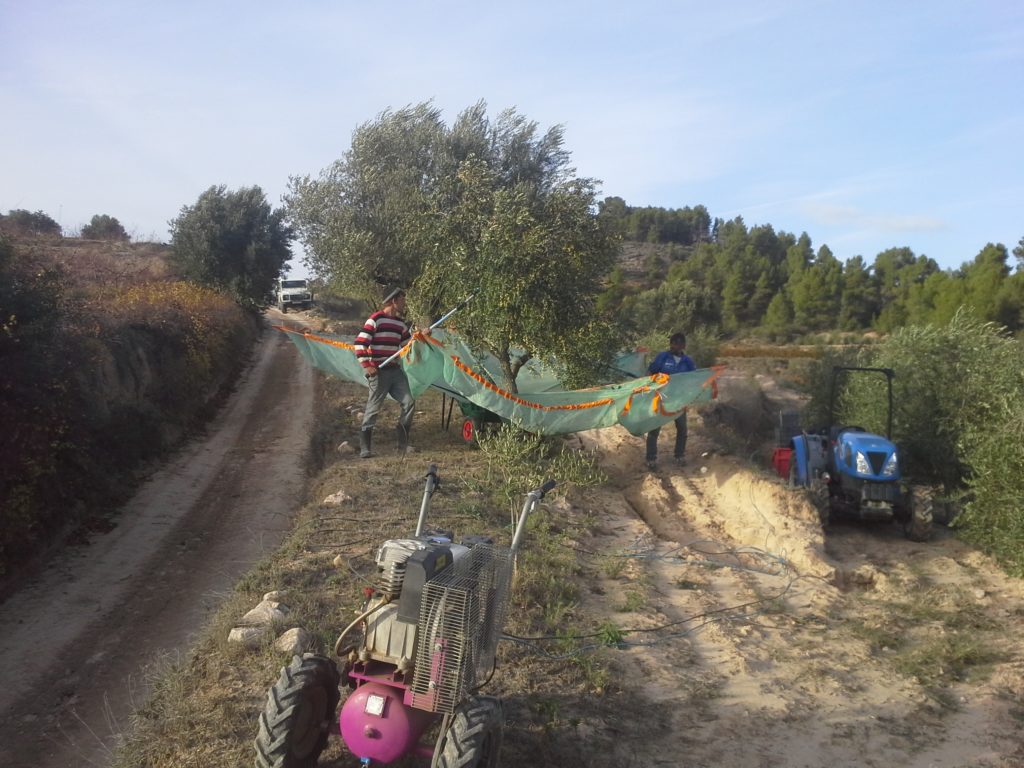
x=765, y=641
x=78, y=638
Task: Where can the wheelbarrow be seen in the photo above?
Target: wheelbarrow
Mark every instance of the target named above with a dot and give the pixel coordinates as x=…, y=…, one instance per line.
x=474, y=417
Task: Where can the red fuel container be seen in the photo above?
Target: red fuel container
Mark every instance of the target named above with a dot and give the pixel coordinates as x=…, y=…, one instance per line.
x=780, y=460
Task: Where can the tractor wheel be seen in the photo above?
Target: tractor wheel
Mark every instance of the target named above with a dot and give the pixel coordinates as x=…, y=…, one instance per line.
x=299, y=714
x=821, y=499
x=918, y=523
x=474, y=738
x=470, y=431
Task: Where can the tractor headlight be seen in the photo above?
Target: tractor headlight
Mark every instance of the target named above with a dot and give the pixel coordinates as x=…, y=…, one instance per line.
x=892, y=465
x=862, y=464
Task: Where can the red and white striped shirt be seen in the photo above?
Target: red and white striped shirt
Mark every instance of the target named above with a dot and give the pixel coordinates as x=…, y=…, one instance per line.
x=381, y=337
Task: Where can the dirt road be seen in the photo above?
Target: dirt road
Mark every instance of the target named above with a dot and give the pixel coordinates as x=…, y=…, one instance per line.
x=76, y=642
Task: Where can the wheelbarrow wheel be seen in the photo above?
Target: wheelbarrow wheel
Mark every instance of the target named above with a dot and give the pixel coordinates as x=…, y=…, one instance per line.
x=470, y=430
x=474, y=737
x=297, y=719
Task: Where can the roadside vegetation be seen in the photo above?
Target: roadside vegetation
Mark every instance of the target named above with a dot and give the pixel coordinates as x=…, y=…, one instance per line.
x=111, y=351
x=204, y=706
x=107, y=360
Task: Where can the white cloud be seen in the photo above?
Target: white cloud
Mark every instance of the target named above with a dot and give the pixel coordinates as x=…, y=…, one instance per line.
x=831, y=215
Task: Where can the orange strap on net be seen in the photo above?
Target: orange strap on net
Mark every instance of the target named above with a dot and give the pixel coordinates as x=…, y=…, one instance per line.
x=509, y=396
x=712, y=380
x=320, y=339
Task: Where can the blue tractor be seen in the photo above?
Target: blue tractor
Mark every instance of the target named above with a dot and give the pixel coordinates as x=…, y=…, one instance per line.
x=851, y=472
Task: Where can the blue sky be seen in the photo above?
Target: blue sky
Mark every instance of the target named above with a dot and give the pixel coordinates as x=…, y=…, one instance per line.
x=867, y=125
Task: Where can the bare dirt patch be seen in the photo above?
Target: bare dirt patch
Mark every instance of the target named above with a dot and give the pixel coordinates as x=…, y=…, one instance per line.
x=852, y=647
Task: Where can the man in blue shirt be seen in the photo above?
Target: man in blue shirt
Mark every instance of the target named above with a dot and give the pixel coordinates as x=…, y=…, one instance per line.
x=672, y=360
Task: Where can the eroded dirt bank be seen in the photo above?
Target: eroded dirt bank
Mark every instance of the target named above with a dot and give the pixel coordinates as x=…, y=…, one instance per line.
x=76, y=642
x=763, y=641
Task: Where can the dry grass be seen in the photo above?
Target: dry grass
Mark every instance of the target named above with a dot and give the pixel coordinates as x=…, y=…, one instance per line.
x=108, y=360
x=204, y=709
x=101, y=263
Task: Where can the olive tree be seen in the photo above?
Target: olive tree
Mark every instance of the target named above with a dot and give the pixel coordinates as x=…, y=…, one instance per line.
x=489, y=208
x=233, y=241
x=369, y=219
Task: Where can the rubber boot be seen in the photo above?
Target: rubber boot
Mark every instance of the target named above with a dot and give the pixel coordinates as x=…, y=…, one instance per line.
x=365, y=441
x=651, y=457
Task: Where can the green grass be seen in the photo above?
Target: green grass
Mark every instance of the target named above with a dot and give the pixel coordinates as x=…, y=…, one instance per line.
x=635, y=600
x=936, y=637
x=946, y=659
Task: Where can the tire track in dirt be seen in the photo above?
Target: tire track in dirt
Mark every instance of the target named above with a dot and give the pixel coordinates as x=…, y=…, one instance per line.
x=698, y=582
x=794, y=682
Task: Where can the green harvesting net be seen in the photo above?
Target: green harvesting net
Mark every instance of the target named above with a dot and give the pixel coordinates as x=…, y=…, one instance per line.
x=442, y=360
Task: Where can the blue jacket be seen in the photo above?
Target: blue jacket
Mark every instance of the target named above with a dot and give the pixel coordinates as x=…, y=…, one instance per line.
x=665, y=362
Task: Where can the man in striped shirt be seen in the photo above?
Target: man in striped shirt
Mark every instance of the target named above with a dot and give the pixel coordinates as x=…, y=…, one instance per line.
x=383, y=334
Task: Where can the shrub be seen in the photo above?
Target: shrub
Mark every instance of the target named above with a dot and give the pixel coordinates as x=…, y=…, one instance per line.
x=523, y=459
x=34, y=375
x=993, y=518
x=103, y=227
x=22, y=222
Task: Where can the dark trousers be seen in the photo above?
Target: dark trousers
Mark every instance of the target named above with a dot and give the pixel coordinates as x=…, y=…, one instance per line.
x=389, y=381
x=680, y=447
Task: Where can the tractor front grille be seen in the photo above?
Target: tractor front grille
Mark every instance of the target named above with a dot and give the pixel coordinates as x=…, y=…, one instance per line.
x=887, y=492
x=877, y=460
x=462, y=613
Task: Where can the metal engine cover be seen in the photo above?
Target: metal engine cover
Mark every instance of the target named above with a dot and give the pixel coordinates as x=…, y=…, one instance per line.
x=391, y=637
x=391, y=561
x=388, y=639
